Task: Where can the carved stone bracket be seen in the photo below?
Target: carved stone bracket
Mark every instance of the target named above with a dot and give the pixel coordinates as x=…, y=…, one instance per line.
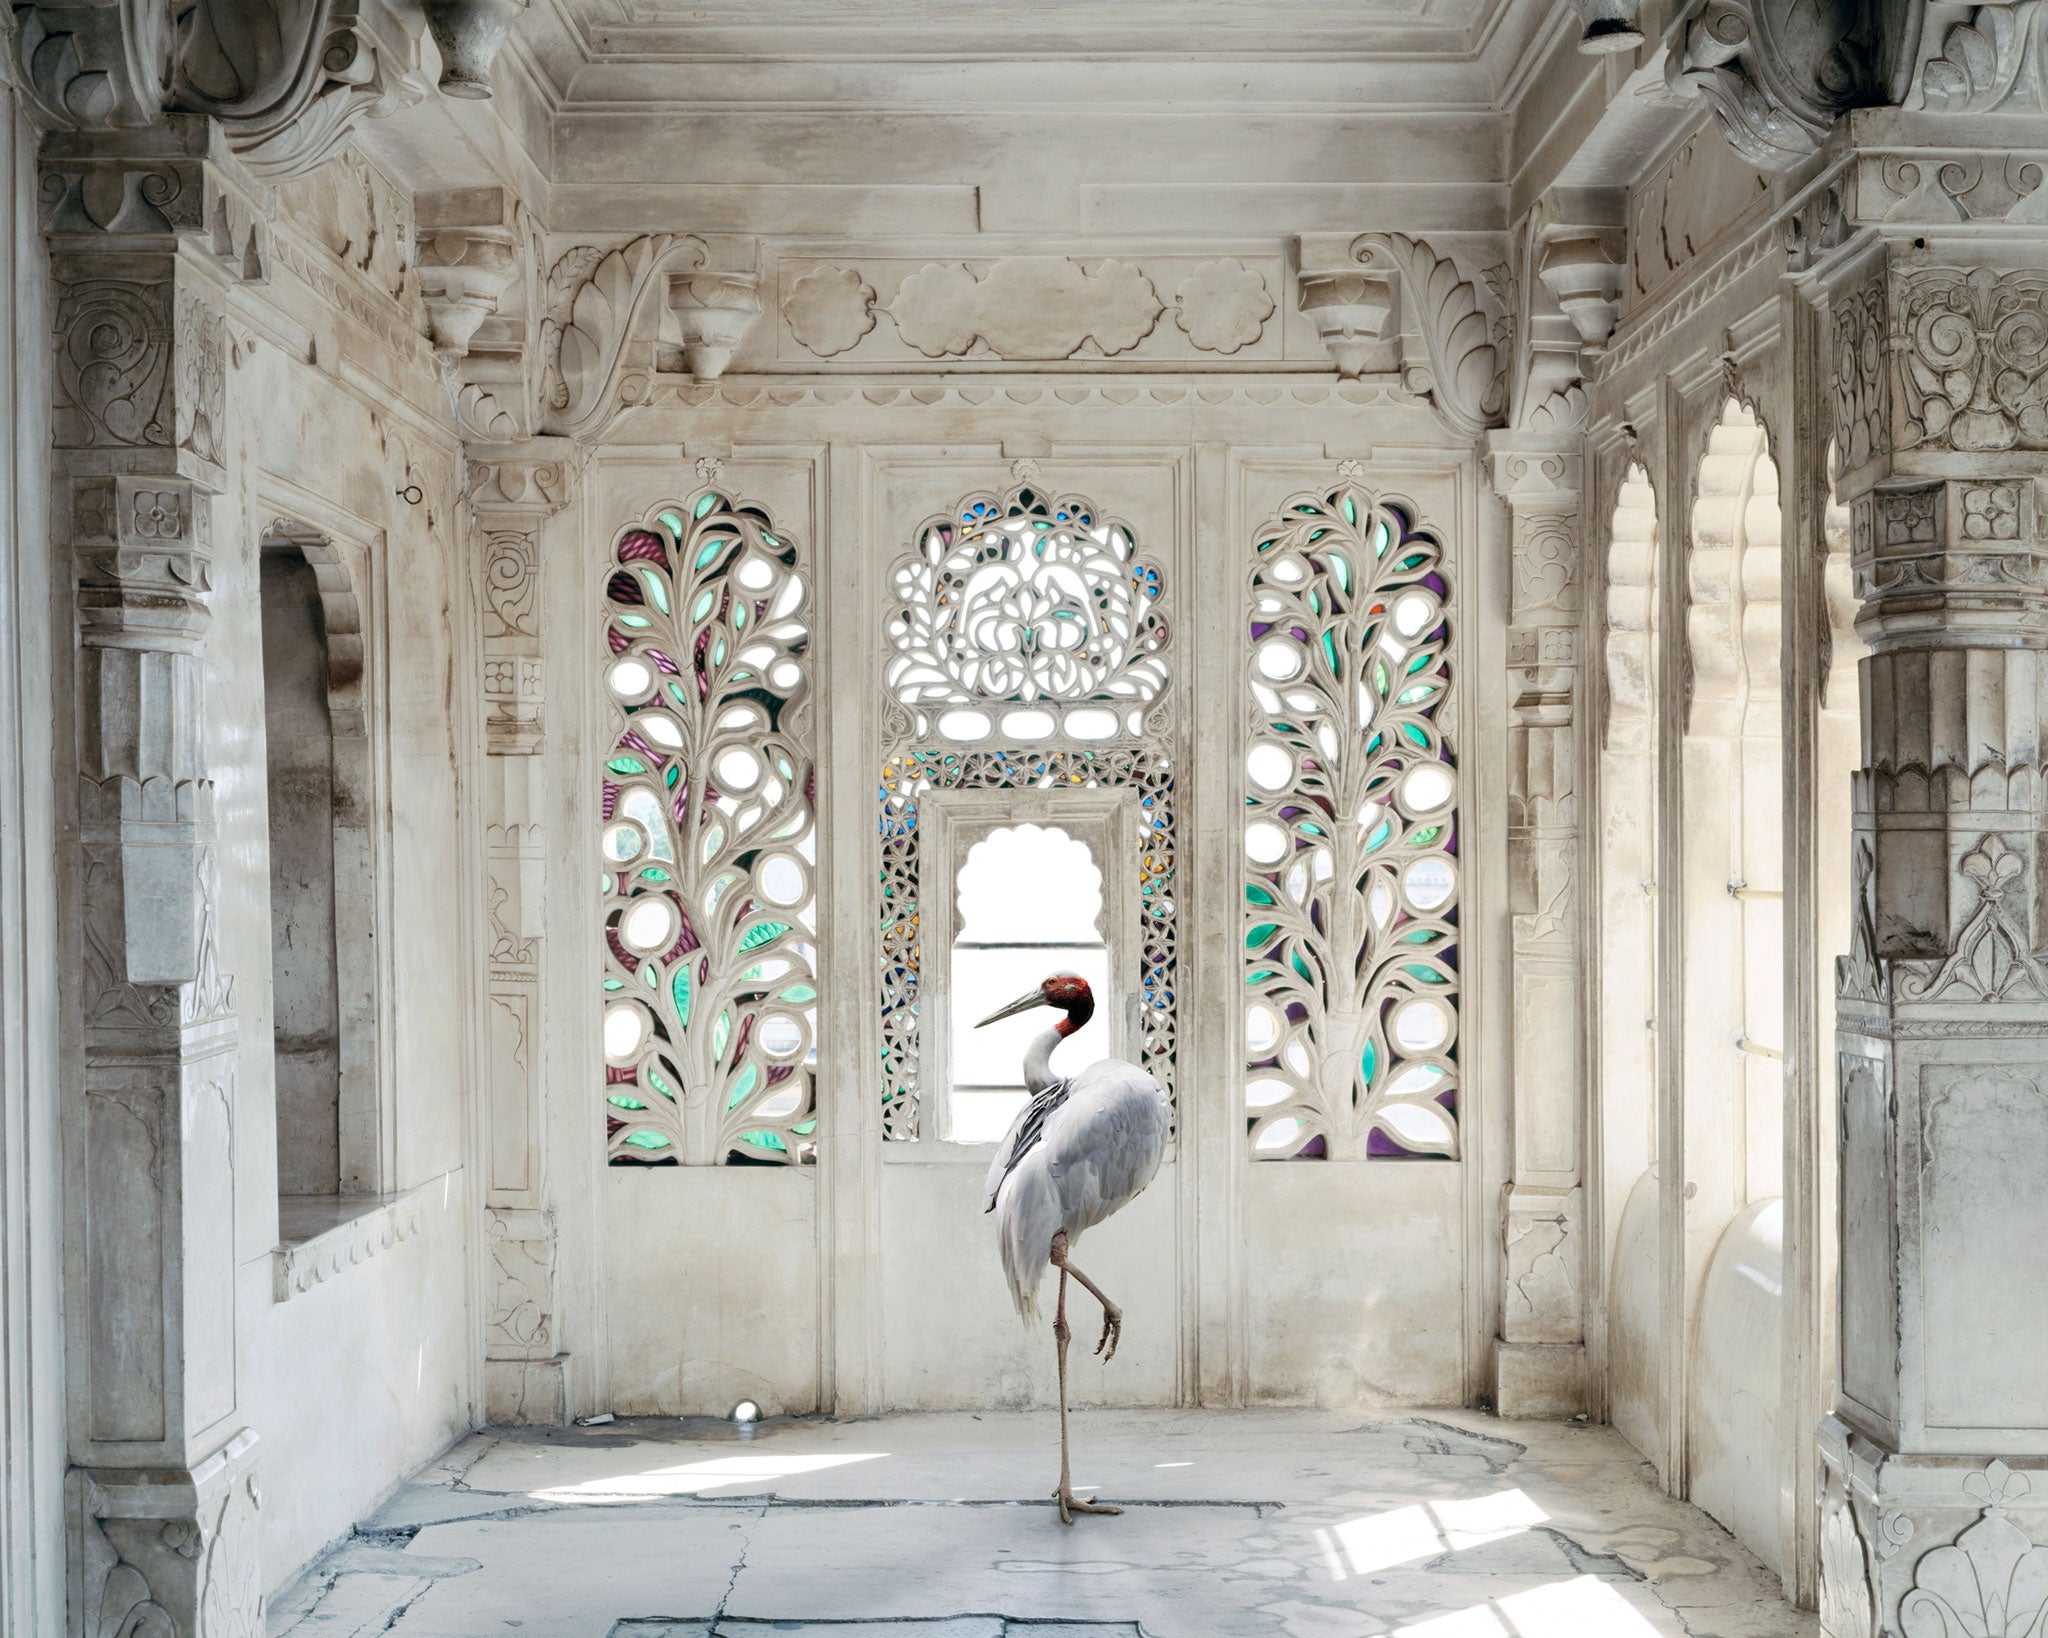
x=1778, y=73
x=714, y=311
x=1452, y=328
x=288, y=83
x=468, y=254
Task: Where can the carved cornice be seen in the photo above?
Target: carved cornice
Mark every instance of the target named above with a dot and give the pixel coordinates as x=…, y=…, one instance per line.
x=287, y=81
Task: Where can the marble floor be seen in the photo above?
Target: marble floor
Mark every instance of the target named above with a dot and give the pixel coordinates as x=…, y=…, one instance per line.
x=1297, y=1524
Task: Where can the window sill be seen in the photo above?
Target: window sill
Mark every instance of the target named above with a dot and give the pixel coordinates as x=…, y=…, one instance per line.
x=320, y=1235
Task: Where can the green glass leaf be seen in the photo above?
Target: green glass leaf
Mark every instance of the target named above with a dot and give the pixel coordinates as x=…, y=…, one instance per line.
x=626, y=765
x=611, y=984
x=1415, y=735
x=1301, y=967
x=662, y=1086
x=650, y=975
x=647, y=1140
x=608, y=882
x=1255, y=894
x=1415, y=695
x=807, y=1128
x=1425, y=836
x=1379, y=678
x=743, y=1086
x=1368, y=1062
x=680, y=991
x=1351, y=517
x=621, y=1102
x=1330, y=653
x=705, y=504
x=702, y=606
x=764, y=1140
x=799, y=992
x=654, y=873
x=657, y=588
x=1340, y=569
x=1260, y=936
x=1424, y=975
x=721, y=1031
x=1418, y=663
x=763, y=932
x=1382, y=538
x=674, y=520
x=1378, y=838
x=708, y=552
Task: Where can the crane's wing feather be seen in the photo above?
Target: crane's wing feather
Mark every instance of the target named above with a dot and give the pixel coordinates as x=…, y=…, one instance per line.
x=1105, y=1143
x=1025, y=1130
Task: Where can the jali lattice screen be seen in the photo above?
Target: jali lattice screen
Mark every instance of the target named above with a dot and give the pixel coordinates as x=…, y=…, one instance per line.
x=709, y=842
x=1350, y=835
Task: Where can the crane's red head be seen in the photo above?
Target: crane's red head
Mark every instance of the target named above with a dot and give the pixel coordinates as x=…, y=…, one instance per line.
x=1067, y=991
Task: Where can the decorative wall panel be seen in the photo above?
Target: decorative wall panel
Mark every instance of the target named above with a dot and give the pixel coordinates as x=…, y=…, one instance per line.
x=1035, y=623
x=709, y=841
x=1350, y=835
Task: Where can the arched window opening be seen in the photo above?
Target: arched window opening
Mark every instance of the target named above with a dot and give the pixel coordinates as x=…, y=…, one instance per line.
x=1350, y=836
x=333, y=1132
x=709, y=843
x=305, y=983
x=1734, y=835
x=1030, y=903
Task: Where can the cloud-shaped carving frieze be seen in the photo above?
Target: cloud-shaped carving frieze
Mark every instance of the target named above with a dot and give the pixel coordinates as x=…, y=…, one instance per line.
x=1027, y=307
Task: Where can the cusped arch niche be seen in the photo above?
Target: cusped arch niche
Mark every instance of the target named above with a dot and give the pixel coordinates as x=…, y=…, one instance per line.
x=709, y=840
x=364, y=1135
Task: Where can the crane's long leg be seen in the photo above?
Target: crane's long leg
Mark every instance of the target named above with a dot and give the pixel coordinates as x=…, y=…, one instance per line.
x=1112, y=1316
x=1070, y=1504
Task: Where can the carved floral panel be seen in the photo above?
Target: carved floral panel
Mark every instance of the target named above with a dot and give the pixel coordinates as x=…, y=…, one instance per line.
x=1350, y=835
x=1025, y=601
x=709, y=841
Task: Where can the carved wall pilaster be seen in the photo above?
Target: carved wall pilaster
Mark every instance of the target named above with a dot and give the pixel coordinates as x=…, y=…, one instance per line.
x=513, y=493
x=1942, y=1012
x=160, y=1498
x=1540, y=1358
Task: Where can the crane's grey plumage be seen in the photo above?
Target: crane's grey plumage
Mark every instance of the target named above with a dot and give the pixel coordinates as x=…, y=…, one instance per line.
x=1079, y=1150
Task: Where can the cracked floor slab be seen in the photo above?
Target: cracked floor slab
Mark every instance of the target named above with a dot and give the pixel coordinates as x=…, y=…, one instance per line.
x=1239, y=1524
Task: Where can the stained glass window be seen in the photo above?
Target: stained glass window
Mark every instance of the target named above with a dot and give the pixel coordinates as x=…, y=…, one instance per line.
x=1350, y=836
x=709, y=842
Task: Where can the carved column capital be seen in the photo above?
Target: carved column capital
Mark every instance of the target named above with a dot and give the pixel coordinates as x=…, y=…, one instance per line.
x=521, y=485
x=714, y=311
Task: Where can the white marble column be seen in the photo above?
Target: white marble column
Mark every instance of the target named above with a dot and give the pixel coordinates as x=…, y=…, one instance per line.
x=514, y=490
x=1935, y=1483
x=162, y=1494
x=1540, y=1354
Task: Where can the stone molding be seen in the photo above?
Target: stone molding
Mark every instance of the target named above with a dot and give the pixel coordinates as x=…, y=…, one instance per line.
x=386, y=1221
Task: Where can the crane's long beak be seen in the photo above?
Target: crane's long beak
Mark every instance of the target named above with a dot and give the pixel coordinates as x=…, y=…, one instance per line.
x=1024, y=1003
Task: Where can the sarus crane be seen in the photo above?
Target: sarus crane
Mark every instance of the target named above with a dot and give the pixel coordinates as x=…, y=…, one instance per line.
x=1080, y=1149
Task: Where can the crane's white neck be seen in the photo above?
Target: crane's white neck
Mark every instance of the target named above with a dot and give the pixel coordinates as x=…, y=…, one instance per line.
x=1038, y=1073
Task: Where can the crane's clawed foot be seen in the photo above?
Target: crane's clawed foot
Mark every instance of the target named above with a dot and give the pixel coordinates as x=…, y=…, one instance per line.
x=1112, y=1330
x=1070, y=1504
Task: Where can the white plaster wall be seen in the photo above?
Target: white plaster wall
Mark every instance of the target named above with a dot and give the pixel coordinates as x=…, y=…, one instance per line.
x=31, y=1370
x=355, y=1383
x=956, y=1343
x=1738, y=1384
x=1355, y=1293
x=1634, y=1334
x=712, y=1289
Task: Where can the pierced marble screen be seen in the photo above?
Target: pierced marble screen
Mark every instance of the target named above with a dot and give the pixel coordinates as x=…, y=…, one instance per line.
x=709, y=842
x=1028, y=618
x=1350, y=836
x=1036, y=623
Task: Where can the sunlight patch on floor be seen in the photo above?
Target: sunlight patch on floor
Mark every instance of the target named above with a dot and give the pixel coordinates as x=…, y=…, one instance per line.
x=1403, y=1535
x=1583, y=1607
x=698, y=1478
